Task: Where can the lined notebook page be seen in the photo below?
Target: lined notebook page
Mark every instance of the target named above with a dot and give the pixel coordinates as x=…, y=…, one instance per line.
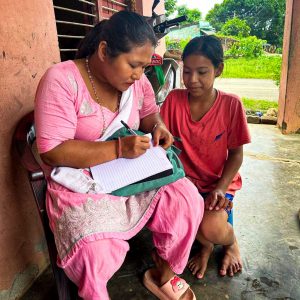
x=121, y=172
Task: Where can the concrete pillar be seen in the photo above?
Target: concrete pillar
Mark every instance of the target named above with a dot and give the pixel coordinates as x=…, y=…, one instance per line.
x=28, y=46
x=289, y=95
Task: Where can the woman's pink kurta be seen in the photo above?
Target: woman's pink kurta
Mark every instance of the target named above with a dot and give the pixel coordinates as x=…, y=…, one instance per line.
x=64, y=111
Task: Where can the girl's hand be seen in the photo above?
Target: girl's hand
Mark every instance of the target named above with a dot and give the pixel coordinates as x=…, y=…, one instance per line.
x=216, y=200
x=162, y=136
x=134, y=146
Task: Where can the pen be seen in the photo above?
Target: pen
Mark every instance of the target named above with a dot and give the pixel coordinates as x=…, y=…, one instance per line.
x=128, y=128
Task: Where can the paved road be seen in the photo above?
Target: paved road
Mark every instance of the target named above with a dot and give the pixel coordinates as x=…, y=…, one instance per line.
x=263, y=89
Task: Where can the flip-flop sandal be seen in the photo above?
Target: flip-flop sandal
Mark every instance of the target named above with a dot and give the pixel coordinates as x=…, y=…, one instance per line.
x=172, y=290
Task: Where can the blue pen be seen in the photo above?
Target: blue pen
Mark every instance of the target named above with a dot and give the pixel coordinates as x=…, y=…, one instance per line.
x=128, y=128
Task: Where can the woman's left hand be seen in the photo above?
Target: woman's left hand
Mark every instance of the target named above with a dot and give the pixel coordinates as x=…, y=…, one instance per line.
x=162, y=136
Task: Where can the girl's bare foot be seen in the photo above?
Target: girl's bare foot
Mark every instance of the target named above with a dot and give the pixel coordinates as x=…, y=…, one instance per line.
x=232, y=262
x=198, y=263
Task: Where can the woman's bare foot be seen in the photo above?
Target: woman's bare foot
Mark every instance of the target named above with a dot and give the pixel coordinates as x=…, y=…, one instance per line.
x=198, y=263
x=232, y=262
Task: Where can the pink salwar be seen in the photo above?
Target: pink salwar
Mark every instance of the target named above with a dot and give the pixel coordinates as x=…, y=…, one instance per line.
x=174, y=224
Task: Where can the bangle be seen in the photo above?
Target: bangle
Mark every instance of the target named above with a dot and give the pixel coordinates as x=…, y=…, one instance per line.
x=119, y=155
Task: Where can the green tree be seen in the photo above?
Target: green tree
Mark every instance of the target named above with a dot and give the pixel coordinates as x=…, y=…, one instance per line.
x=265, y=17
x=236, y=27
x=193, y=15
x=170, y=7
x=246, y=47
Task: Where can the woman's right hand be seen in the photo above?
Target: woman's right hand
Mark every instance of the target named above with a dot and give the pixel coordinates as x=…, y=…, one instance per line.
x=134, y=145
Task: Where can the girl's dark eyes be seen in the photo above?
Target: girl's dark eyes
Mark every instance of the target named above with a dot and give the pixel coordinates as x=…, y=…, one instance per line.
x=200, y=73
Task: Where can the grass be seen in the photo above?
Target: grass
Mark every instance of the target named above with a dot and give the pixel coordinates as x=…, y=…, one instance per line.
x=258, y=105
x=264, y=67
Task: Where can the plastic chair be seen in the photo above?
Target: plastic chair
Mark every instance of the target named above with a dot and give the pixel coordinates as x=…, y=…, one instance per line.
x=24, y=142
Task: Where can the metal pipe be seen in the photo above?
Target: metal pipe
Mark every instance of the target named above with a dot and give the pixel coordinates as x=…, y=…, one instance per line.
x=67, y=50
x=87, y=2
x=71, y=36
x=73, y=23
x=75, y=11
x=109, y=9
x=119, y=3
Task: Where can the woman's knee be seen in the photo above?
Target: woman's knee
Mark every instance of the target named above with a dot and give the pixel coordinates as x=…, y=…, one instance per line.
x=179, y=211
x=191, y=200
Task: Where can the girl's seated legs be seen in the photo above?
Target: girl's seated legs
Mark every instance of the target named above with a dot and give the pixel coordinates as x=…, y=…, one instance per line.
x=215, y=229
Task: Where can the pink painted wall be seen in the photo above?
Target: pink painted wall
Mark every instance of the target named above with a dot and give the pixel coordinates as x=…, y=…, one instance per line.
x=28, y=45
x=289, y=96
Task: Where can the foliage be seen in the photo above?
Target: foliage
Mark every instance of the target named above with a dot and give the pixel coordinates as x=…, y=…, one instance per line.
x=265, y=17
x=172, y=44
x=277, y=71
x=193, y=15
x=258, y=105
x=170, y=7
x=264, y=67
x=246, y=47
x=236, y=27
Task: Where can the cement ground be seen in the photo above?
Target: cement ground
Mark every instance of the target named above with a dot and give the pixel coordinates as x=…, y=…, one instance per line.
x=265, y=222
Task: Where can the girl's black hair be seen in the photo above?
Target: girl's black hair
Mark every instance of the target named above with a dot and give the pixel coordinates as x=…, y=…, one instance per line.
x=123, y=31
x=208, y=45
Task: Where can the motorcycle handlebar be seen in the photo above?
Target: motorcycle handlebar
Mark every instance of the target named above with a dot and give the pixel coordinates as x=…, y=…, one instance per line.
x=163, y=27
x=170, y=23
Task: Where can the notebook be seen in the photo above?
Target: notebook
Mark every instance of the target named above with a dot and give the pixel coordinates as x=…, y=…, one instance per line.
x=121, y=172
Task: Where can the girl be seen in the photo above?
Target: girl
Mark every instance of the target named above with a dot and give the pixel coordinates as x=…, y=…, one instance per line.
x=212, y=128
x=80, y=101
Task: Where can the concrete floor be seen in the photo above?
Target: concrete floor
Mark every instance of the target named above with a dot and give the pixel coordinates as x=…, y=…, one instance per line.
x=265, y=222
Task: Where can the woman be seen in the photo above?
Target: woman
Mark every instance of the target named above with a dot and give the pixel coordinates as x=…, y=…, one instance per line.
x=78, y=102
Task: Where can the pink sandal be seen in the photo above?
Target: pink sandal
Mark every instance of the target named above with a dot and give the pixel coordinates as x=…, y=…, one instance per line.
x=172, y=290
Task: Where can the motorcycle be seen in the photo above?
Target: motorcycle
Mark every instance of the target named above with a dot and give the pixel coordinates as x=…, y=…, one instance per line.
x=163, y=73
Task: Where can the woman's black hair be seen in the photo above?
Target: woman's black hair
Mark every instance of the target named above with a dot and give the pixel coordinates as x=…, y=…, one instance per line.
x=207, y=45
x=123, y=31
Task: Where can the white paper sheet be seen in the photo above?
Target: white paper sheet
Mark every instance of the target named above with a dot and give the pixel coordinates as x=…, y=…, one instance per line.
x=121, y=172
